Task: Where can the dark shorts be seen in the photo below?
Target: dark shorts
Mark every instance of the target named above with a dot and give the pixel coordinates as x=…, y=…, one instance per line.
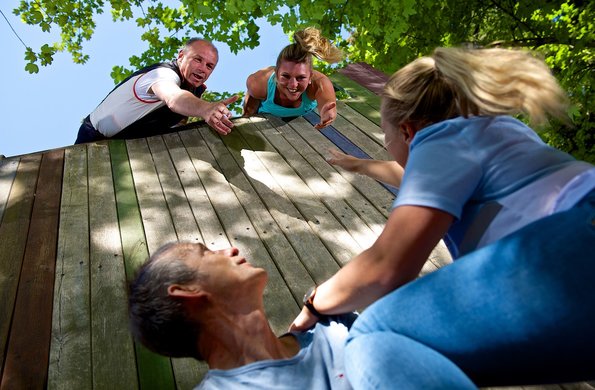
x=87, y=133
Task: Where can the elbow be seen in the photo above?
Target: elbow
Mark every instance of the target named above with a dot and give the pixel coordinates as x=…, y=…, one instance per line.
x=173, y=105
x=169, y=101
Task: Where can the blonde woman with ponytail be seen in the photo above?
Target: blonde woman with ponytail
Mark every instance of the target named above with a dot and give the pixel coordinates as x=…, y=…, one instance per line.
x=516, y=305
x=292, y=87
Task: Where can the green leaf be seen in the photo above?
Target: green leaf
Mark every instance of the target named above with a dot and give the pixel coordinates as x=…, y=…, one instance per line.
x=35, y=17
x=384, y=34
x=30, y=55
x=32, y=68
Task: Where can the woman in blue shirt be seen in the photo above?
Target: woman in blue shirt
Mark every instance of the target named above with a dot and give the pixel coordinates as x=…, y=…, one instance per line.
x=516, y=307
x=292, y=87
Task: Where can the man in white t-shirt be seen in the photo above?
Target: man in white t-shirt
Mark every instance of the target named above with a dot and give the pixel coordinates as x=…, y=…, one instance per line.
x=157, y=97
x=189, y=301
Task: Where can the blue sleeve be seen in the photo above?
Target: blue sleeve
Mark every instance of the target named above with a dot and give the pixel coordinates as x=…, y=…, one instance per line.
x=443, y=170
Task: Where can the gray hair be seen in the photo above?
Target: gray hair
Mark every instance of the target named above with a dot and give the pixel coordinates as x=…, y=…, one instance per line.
x=190, y=41
x=157, y=319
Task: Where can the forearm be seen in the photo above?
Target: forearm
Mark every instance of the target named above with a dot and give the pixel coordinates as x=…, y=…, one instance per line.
x=389, y=172
x=394, y=259
x=251, y=105
x=366, y=278
x=185, y=103
x=354, y=287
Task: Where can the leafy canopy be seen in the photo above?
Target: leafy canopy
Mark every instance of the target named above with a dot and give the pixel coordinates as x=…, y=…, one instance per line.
x=385, y=34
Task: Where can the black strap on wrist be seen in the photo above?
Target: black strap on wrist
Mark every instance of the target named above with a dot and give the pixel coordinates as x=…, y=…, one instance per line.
x=309, y=302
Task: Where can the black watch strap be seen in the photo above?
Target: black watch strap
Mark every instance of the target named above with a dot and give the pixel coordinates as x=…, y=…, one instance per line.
x=309, y=302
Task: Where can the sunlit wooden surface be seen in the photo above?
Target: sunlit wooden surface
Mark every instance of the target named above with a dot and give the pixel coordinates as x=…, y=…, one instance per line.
x=77, y=221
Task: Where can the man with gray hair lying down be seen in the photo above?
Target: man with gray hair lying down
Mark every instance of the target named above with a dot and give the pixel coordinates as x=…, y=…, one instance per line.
x=189, y=301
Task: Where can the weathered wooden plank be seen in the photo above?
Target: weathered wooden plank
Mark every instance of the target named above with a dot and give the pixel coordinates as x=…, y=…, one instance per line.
x=366, y=76
x=211, y=230
x=346, y=145
x=157, y=222
x=369, y=188
x=364, y=136
x=238, y=227
x=271, y=223
x=335, y=237
x=113, y=348
x=13, y=235
x=8, y=171
x=367, y=127
x=154, y=371
x=363, y=101
x=335, y=203
x=27, y=352
x=337, y=186
x=356, y=91
x=187, y=371
x=185, y=225
x=70, y=350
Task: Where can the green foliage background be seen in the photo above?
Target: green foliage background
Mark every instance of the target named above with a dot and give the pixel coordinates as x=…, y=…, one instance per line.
x=386, y=34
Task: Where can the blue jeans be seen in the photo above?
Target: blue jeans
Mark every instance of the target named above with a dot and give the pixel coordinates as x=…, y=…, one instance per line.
x=519, y=311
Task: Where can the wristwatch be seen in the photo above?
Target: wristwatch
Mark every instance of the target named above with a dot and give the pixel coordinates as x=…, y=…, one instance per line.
x=309, y=302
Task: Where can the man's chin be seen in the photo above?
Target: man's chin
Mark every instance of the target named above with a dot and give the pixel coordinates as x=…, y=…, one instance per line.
x=195, y=82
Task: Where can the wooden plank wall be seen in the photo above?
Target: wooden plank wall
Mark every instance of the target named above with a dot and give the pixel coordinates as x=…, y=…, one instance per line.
x=75, y=224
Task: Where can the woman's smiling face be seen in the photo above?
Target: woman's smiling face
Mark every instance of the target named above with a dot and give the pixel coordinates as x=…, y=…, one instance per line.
x=292, y=80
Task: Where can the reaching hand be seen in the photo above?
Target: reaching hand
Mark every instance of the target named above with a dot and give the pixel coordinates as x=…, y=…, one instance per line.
x=304, y=321
x=328, y=113
x=345, y=161
x=217, y=115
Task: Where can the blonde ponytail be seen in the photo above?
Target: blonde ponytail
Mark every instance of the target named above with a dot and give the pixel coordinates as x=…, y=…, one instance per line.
x=466, y=82
x=307, y=43
x=312, y=41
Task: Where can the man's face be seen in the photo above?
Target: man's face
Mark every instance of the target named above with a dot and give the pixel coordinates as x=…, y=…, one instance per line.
x=197, y=62
x=224, y=269
x=292, y=79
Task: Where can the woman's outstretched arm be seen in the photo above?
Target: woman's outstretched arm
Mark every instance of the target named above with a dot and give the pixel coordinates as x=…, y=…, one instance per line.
x=396, y=258
x=389, y=172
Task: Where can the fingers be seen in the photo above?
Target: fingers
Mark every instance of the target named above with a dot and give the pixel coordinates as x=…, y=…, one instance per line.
x=334, y=152
x=330, y=105
x=322, y=125
x=220, y=117
x=335, y=155
x=222, y=126
x=328, y=113
x=230, y=100
x=304, y=321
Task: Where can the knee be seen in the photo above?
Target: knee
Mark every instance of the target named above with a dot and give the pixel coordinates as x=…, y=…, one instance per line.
x=385, y=360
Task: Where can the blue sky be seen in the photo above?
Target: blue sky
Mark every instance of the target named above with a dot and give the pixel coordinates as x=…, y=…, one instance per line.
x=44, y=110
